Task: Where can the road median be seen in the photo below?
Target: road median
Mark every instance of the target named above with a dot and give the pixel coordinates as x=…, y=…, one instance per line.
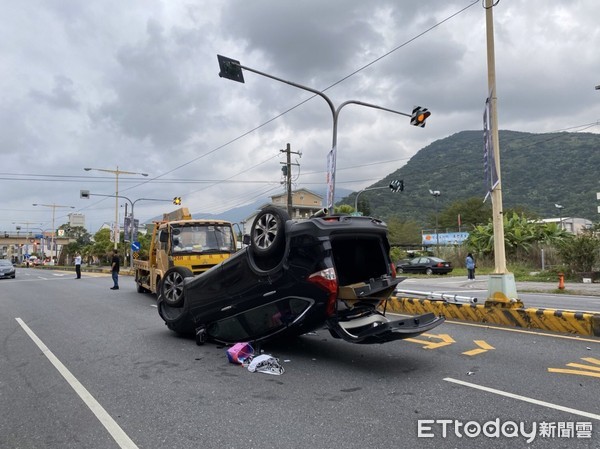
x=563, y=321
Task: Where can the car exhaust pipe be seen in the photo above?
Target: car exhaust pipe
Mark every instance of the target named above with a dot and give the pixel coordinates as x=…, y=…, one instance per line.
x=320, y=213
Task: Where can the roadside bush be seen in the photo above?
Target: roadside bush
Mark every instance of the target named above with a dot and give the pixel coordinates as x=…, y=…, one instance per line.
x=581, y=253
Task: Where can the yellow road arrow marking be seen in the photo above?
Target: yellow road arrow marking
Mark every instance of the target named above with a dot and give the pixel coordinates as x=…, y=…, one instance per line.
x=592, y=371
x=427, y=344
x=483, y=347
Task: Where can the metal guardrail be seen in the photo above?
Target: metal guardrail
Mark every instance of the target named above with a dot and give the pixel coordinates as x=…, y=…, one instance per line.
x=439, y=296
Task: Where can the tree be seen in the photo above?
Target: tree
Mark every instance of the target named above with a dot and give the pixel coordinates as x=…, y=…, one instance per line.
x=472, y=211
x=403, y=232
x=102, y=245
x=364, y=207
x=520, y=234
x=145, y=240
x=343, y=209
x=581, y=253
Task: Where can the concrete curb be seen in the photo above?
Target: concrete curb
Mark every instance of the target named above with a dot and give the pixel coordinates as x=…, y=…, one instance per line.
x=84, y=269
x=580, y=323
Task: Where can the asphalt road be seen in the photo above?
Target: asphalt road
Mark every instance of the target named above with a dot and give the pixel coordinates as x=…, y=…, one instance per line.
x=82, y=366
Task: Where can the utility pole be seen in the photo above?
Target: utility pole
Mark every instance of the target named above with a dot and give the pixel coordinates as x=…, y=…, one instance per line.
x=287, y=171
x=501, y=285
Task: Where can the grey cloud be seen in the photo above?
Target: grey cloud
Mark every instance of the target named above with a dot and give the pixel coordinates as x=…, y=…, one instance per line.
x=62, y=96
x=153, y=99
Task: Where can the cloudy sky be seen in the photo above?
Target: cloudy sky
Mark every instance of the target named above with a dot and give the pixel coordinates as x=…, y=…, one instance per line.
x=134, y=84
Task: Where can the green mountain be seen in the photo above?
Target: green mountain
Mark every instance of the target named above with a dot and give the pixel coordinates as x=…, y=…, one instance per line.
x=538, y=171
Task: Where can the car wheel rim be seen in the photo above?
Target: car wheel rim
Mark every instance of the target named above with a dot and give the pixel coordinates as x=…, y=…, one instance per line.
x=173, y=287
x=266, y=231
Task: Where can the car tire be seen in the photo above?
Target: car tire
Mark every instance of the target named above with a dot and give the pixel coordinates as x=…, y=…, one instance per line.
x=428, y=271
x=171, y=286
x=140, y=289
x=399, y=270
x=267, y=234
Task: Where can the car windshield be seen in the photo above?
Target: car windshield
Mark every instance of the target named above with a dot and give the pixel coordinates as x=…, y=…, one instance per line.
x=202, y=239
x=436, y=259
x=5, y=263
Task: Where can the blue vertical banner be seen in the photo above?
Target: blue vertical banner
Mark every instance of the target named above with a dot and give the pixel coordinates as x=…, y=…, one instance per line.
x=490, y=174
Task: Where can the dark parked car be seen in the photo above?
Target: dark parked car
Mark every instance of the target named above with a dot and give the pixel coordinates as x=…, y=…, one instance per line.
x=294, y=277
x=426, y=265
x=7, y=269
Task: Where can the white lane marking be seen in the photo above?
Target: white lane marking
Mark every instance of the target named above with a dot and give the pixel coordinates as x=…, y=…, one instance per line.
x=110, y=424
x=524, y=398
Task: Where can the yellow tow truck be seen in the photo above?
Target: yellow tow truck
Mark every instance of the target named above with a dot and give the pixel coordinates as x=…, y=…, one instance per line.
x=181, y=247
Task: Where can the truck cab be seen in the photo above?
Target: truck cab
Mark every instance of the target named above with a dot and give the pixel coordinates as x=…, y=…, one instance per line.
x=189, y=246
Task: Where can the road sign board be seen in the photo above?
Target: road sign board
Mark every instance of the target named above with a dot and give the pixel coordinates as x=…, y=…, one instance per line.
x=135, y=246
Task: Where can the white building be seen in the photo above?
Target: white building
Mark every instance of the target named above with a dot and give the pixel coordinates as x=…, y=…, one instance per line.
x=570, y=224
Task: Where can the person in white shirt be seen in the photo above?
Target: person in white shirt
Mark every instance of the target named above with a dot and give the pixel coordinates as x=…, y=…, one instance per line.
x=78, y=265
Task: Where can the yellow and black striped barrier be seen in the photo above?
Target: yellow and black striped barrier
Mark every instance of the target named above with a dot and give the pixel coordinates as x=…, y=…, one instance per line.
x=580, y=323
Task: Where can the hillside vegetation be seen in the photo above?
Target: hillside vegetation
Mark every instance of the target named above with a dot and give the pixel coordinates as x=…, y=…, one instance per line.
x=538, y=171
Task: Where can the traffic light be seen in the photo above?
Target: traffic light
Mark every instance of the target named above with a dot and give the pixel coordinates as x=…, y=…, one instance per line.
x=418, y=116
x=177, y=201
x=397, y=185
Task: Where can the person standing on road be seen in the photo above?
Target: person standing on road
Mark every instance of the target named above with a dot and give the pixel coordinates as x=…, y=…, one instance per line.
x=470, y=263
x=114, y=268
x=78, y=265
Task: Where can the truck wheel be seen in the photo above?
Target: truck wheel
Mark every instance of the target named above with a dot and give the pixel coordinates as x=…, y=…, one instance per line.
x=171, y=286
x=267, y=232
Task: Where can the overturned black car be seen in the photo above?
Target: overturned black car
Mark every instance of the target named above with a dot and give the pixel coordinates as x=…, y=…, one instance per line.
x=294, y=277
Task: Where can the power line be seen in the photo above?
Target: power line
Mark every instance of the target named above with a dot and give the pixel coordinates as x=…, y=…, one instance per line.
x=360, y=69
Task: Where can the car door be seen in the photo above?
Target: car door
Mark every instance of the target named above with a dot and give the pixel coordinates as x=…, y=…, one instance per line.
x=419, y=264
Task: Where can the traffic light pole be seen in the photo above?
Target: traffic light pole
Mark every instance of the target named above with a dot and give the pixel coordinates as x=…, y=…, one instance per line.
x=232, y=70
x=394, y=186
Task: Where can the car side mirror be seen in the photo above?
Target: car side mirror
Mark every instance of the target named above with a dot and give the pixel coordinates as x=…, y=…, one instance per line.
x=163, y=237
x=246, y=239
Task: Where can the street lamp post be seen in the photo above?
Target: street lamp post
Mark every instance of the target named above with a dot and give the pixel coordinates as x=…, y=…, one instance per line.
x=560, y=208
x=232, y=69
x=54, y=206
x=116, y=172
x=436, y=194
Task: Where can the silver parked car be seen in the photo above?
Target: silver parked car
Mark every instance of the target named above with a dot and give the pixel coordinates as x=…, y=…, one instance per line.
x=7, y=269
